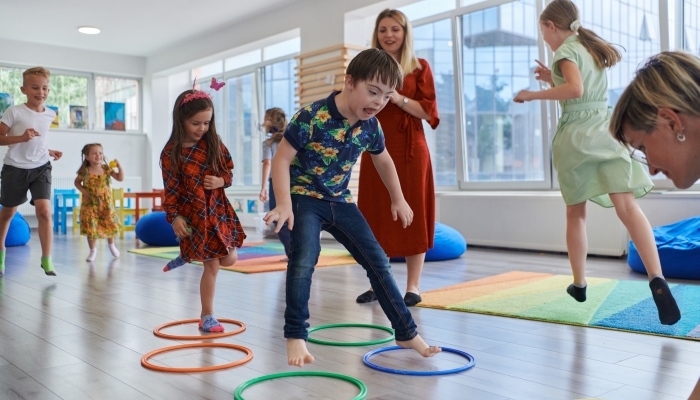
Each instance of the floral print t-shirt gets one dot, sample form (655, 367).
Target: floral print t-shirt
(327, 148)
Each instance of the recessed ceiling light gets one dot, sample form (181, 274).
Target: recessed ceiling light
(88, 30)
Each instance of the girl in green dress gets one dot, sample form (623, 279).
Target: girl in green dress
(590, 164)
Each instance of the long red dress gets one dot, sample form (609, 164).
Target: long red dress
(405, 141)
(215, 225)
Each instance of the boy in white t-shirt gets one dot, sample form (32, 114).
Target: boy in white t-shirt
(27, 167)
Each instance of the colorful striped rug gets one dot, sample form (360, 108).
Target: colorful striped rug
(257, 257)
(611, 303)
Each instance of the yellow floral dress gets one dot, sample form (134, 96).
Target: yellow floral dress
(98, 220)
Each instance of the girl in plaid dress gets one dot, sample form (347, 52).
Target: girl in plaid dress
(196, 168)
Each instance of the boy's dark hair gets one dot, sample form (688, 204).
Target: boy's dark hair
(377, 64)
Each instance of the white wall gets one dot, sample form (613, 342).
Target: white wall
(32, 54)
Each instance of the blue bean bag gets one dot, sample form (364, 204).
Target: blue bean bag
(679, 250)
(154, 230)
(19, 233)
(448, 244)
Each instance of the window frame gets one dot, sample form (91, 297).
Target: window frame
(259, 70)
(92, 97)
(549, 109)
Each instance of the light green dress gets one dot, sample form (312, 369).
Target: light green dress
(590, 163)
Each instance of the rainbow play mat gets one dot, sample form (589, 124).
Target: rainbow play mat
(611, 304)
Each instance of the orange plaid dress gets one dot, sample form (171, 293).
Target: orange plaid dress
(215, 225)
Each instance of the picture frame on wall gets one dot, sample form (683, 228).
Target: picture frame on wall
(6, 100)
(78, 117)
(54, 123)
(114, 116)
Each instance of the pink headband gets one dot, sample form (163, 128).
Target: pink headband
(199, 94)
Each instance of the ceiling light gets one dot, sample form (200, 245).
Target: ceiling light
(88, 30)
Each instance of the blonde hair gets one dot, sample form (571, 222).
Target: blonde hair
(409, 61)
(562, 13)
(279, 122)
(670, 79)
(41, 71)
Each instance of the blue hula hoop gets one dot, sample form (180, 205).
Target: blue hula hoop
(368, 363)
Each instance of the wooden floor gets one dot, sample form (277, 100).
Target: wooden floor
(81, 335)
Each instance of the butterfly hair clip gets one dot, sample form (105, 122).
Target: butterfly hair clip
(216, 85)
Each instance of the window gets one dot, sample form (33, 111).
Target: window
(504, 139)
(433, 42)
(118, 90)
(244, 133)
(427, 8)
(71, 91)
(243, 60)
(634, 25)
(281, 49)
(217, 97)
(691, 26)
(280, 86)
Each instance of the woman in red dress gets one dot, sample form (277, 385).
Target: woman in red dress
(401, 121)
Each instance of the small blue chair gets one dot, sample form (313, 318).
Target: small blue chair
(61, 208)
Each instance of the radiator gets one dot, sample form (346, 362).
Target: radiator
(129, 182)
(527, 220)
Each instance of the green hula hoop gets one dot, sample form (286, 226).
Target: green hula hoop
(363, 389)
(380, 341)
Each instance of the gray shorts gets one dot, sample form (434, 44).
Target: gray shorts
(14, 183)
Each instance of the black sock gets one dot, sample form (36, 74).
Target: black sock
(578, 293)
(366, 297)
(669, 313)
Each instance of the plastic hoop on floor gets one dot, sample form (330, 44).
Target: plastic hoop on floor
(380, 341)
(145, 363)
(158, 333)
(423, 373)
(363, 389)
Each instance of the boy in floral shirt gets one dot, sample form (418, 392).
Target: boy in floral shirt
(311, 171)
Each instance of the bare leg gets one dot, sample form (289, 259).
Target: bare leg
(43, 214)
(230, 259)
(577, 241)
(207, 286)
(414, 267)
(6, 214)
(643, 237)
(92, 243)
(639, 229)
(297, 354)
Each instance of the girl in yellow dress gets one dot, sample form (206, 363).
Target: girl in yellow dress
(98, 220)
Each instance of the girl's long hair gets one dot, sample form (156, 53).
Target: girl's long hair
(562, 13)
(178, 135)
(279, 123)
(85, 152)
(409, 62)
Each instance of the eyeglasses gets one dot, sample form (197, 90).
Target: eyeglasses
(638, 155)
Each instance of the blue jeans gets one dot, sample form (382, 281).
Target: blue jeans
(284, 235)
(345, 222)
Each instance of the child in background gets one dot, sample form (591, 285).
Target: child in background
(98, 219)
(196, 168)
(27, 167)
(274, 124)
(311, 171)
(591, 165)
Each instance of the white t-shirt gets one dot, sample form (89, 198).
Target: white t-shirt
(34, 153)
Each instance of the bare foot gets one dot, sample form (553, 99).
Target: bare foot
(297, 353)
(419, 345)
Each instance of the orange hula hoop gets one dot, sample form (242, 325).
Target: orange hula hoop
(145, 363)
(158, 333)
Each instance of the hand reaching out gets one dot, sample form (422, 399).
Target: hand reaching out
(55, 154)
(542, 73)
(280, 214)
